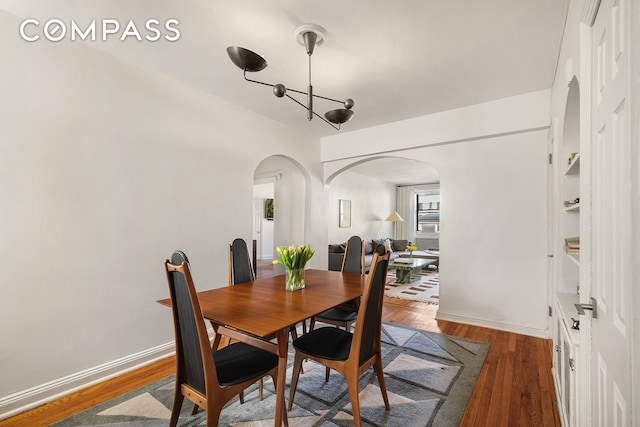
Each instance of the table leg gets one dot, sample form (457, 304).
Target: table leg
(402, 275)
(283, 344)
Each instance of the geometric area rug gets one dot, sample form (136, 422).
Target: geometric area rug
(427, 289)
(429, 379)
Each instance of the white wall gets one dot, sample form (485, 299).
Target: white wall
(107, 168)
(492, 163)
(372, 200)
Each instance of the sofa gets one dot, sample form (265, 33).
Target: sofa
(336, 251)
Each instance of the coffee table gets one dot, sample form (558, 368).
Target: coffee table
(409, 270)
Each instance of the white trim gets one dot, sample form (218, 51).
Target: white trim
(589, 12)
(493, 324)
(39, 395)
(583, 376)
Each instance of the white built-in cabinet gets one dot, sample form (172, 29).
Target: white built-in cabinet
(567, 290)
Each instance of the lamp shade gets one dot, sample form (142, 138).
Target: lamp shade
(394, 217)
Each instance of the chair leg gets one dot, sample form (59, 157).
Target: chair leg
(377, 367)
(326, 375)
(260, 387)
(297, 365)
(213, 414)
(312, 323)
(352, 384)
(178, 398)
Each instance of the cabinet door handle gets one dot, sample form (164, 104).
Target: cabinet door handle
(593, 307)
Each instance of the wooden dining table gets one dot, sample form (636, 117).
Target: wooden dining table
(263, 308)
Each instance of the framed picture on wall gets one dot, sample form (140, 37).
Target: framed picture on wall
(268, 209)
(344, 213)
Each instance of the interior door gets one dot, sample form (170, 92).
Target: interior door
(257, 225)
(610, 363)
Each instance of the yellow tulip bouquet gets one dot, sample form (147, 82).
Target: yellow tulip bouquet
(293, 260)
(411, 248)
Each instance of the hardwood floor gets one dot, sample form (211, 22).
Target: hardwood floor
(514, 388)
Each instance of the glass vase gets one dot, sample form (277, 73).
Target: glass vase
(294, 279)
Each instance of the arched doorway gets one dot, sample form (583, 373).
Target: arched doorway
(280, 205)
(378, 187)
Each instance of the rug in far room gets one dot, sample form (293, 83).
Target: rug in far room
(427, 289)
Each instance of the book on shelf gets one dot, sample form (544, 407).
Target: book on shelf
(572, 244)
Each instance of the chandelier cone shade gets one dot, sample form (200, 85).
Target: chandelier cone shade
(310, 36)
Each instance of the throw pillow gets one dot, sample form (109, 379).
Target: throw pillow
(400, 245)
(387, 245)
(375, 243)
(368, 247)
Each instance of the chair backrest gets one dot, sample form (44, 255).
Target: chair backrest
(193, 351)
(380, 249)
(369, 325)
(240, 268)
(353, 260)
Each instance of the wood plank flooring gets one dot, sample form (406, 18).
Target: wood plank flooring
(515, 386)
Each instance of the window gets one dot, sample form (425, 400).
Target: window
(428, 211)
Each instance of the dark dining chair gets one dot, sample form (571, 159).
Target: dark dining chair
(351, 354)
(240, 268)
(345, 314)
(241, 271)
(209, 378)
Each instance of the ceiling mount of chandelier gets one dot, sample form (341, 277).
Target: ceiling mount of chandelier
(310, 36)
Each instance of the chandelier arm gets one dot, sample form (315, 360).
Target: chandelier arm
(303, 93)
(327, 121)
(328, 99)
(314, 113)
(296, 101)
(256, 81)
(306, 93)
(295, 90)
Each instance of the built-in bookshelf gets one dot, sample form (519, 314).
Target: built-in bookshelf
(566, 322)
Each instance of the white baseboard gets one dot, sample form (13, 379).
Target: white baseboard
(492, 324)
(33, 397)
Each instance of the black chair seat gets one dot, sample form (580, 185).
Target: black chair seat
(327, 342)
(337, 315)
(239, 362)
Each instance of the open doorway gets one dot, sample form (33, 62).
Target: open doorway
(376, 188)
(263, 217)
(279, 209)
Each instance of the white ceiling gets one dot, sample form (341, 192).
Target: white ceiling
(397, 60)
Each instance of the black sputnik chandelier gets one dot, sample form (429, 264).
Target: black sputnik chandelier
(310, 36)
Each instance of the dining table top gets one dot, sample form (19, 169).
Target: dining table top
(263, 307)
